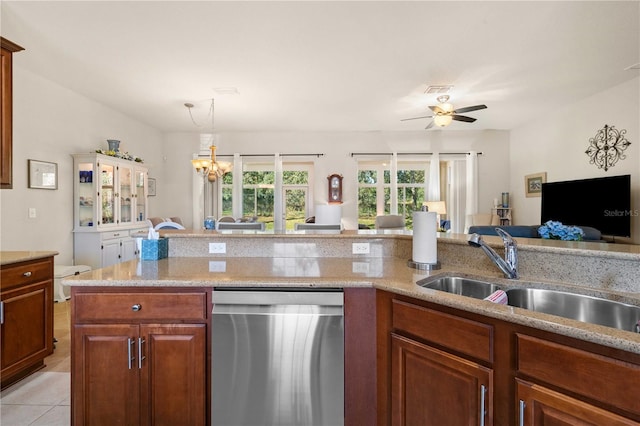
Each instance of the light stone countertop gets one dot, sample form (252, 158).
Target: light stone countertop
(10, 257)
(384, 273)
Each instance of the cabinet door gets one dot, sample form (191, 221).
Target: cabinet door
(540, 406)
(111, 252)
(105, 375)
(432, 387)
(27, 327)
(127, 249)
(86, 200)
(107, 193)
(174, 374)
(140, 195)
(125, 195)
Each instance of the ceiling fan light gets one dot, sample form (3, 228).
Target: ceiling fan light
(442, 120)
(447, 107)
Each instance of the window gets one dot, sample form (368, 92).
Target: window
(259, 193)
(378, 194)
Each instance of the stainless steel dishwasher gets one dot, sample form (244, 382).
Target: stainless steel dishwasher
(277, 357)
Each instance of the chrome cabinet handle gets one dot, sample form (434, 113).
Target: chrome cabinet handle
(483, 411)
(130, 356)
(1, 312)
(140, 356)
(137, 307)
(27, 274)
(521, 414)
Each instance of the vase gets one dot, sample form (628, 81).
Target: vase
(114, 145)
(505, 199)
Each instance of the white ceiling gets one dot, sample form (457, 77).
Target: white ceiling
(328, 66)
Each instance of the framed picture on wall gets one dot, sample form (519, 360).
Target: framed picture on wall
(533, 184)
(43, 174)
(151, 187)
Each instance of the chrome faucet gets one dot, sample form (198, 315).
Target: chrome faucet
(508, 265)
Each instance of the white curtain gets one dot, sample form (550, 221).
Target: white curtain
(433, 186)
(236, 190)
(278, 208)
(472, 187)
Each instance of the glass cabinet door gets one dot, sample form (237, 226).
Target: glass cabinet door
(125, 194)
(107, 193)
(141, 199)
(86, 195)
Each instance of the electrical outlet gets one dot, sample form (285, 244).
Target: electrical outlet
(217, 248)
(217, 266)
(32, 212)
(360, 267)
(360, 248)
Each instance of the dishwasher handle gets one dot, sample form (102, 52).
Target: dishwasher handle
(277, 297)
(278, 310)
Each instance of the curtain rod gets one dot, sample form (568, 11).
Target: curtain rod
(353, 154)
(271, 155)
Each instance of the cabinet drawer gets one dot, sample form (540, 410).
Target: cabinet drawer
(585, 373)
(27, 273)
(152, 306)
(459, 334)
(114, 234)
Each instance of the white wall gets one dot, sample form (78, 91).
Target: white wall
(556, 144)
(337, 147)
(50, 123)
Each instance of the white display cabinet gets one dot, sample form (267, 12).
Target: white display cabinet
(110, 204)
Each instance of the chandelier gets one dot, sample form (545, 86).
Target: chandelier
(211, 168)
(204, 166)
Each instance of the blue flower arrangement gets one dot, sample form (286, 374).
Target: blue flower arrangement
(553, 230)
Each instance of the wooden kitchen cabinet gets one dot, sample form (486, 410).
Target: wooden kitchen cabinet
(140, 357)
(435, 359)
(444, 385)
(539, 406)
(588, 386)
(430, 386)
(26, 314)
(8, 48)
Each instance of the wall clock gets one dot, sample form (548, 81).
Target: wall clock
(335, 189)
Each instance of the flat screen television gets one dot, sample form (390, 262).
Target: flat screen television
(601, 203)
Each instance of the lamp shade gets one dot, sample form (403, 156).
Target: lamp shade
(442, 120)
(440, 207)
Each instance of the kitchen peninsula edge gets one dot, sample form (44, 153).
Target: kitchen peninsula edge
(380, 290)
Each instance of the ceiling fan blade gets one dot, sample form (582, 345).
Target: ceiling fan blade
(463, 118)
(416, 118)
(437, 109)
(469, 109)
(430, 125)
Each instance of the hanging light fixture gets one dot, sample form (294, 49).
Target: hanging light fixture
(443, 119)
(209, 167)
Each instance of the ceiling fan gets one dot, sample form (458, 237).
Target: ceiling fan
(444, 113)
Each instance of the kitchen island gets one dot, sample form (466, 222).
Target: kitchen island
(380, 290)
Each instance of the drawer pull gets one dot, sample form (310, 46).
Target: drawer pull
(27, 274)
(137, 307)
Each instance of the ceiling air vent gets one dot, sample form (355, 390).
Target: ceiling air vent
(444, 88)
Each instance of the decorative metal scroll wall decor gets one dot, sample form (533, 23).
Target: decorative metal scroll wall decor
(607, 147)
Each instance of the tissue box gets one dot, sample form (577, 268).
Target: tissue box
(155, 249)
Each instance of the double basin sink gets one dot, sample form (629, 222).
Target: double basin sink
(589, 309)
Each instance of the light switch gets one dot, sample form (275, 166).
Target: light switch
(32, 212)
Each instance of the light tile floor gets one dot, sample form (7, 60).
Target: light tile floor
(43, 398)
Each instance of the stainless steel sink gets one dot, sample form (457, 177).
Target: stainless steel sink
(579, 307)
(462, 286)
